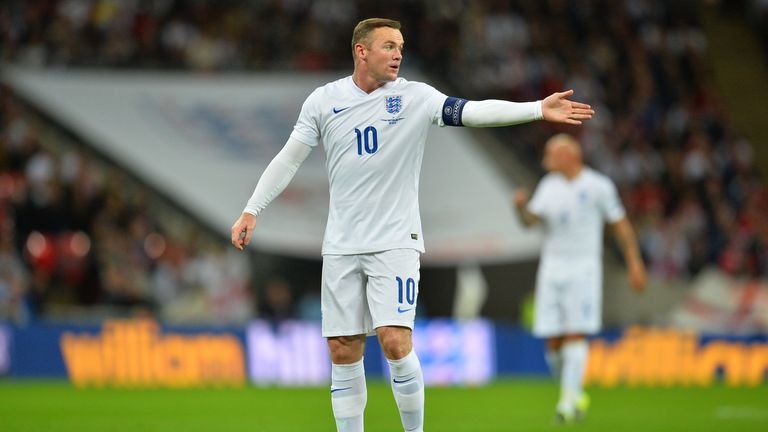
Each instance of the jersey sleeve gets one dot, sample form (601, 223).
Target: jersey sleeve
(278, 174)
(434, 101)
(611, 206)
(307, 127)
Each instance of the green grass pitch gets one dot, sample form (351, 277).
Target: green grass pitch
(507, 405)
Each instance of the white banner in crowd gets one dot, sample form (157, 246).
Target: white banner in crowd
(205, 140)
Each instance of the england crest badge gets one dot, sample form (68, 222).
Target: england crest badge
(394, 104)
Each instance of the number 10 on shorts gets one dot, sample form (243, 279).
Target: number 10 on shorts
(406, 290)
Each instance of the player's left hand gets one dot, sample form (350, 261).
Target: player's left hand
(637, 277)
(558, 109)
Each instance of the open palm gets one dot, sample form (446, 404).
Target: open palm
(558, 109)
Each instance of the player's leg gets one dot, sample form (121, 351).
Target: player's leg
(574, 351)
(554, 356)
(393, 282)
(582, 317)
(346, 321)
(349, 393)
(575, 356)
(406, 376)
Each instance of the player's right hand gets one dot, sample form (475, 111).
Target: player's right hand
(520, 198)
(242, 230)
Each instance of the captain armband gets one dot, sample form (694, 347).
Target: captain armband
(452, 109)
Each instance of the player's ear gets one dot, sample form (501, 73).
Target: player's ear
(361, 51)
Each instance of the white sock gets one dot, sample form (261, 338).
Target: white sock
(348, 396)
(575, 355)
(554, 361)
(408, 388)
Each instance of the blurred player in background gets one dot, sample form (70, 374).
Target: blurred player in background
(573, 202)
(373, 127)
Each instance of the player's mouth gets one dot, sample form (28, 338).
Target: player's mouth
(394, 68)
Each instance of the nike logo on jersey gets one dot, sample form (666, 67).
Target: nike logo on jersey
(394, 380)
(338, 110)
(333, 390)
(401, 310)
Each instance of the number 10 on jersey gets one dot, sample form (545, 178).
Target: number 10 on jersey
(367, 140)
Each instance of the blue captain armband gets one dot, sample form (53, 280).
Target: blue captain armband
(452, 109)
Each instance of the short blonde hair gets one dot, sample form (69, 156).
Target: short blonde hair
(363, 30)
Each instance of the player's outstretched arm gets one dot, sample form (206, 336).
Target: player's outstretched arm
(491, 112)
(558, 108)
(273, 181)
(625, 235)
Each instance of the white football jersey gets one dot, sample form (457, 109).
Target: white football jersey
(374, 144)
(574, 212)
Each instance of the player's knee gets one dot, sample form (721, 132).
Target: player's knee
(555, 343)
(396, 351)
(346, 349)
(573, 337)
(395, 342)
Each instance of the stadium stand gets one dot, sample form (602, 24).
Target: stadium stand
(88, 234)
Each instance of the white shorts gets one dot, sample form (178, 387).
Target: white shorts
(363, 292)
(568, 298)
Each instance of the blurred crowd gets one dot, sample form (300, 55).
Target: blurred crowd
(686, 177)
(77, 231)
(661, 133)
(758, 16)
